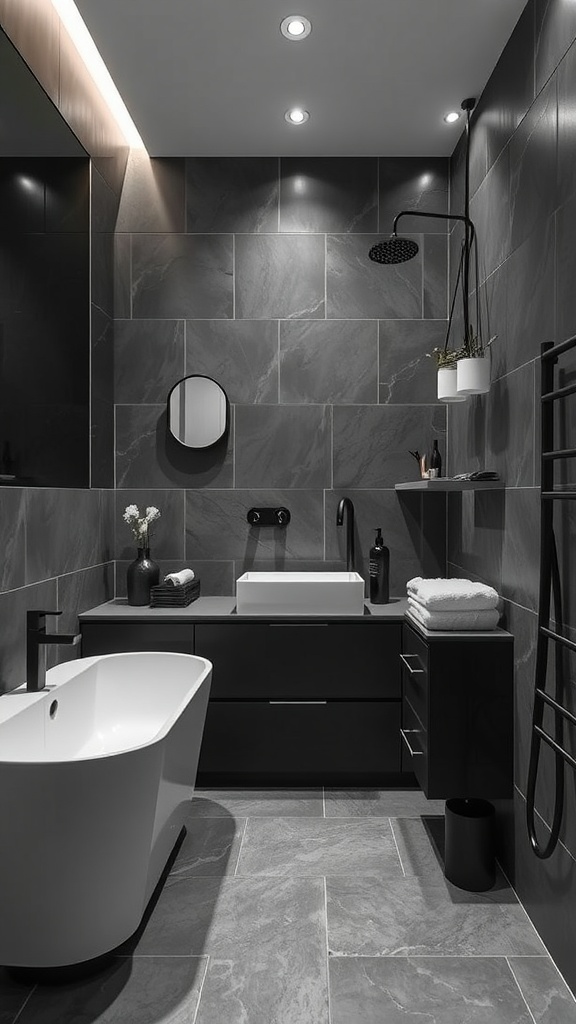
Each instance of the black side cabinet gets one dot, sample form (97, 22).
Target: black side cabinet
(457, 712)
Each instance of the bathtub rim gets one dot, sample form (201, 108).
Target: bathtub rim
(59, 675)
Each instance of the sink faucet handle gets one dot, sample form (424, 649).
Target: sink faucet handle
(35, 618)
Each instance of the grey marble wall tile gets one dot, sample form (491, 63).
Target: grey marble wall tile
(148, 359)
(466, 437)
(549, 998)
(565, 270)
(478, 153)
(566, 85)
(490, 212)
(122, 276)
(318, 846)
(101, 355)
(520, 557)
(368, 990)
(279, 276)
(533, 165)
(232, 194)
(77, 593)
(242, 355)
(357, 288)
(282, 446)
(555, 32)
(216, 577)
(177, 275)
(147, 455)
(104, 201)
(166, 534)
(285, 564)
(407, 375)
(416, 540)
(435, 277)
(153, 194)
(63, 531)
(216, 526)
(13, 608)
(328, 361)
(416, 917)
(457, 177)
(328, 194)
(138, 991)
(13, 537)
(494, 306)
(102, 444)
(476, 522)
(412, 183)
(102, 270)
(509, 433)
(372, 444)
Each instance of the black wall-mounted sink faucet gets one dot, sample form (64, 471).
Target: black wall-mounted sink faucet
(36, 641)
(345, 505)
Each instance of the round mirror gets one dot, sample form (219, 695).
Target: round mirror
(197, 411)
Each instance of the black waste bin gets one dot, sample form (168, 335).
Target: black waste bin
(469, 844)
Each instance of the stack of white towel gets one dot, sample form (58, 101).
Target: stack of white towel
(452, 604)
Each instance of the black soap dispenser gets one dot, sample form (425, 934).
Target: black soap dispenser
(379, 571)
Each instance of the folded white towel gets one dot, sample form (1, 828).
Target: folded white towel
(178, 579)
(452, 595)
(486, 619)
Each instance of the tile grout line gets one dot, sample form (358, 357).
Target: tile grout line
(240, 847)
(519, 989)
(396, 845)
(325, 887)
(201, 990)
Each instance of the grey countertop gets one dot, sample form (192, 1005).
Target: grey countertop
(225, 608)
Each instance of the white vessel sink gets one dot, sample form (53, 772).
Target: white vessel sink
(300, 593)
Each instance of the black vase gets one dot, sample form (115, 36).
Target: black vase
(142, 574)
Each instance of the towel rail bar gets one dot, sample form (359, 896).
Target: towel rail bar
(549, 351)
(562, 453)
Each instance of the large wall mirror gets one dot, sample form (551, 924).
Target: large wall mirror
(198, 411)
(44, 286)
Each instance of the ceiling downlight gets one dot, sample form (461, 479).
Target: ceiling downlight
(295, 27)
(296, 116)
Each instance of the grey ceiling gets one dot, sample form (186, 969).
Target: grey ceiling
(214, 77)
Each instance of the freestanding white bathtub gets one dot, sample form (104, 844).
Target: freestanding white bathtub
(96, 773)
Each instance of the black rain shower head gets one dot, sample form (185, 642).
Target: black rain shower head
(393, 250)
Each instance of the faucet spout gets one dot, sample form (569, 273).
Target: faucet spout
(37, 639)
(345, 506)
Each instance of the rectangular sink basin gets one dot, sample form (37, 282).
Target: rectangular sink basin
(300, 593)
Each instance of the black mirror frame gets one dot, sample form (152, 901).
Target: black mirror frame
(202, 447)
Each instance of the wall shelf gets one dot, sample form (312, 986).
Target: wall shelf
(445, 484)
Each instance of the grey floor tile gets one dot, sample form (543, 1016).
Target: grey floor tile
(437, 990)
(210, 847)
(145, 990)
(415, 917)
(421, 845)
(13, 995)
(380, 803)
(236, 918)
(318, 846)
(548, 997)
(244, 803)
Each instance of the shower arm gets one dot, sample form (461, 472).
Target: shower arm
(437, 216)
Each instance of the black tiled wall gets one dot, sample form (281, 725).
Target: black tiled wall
(523, 179)
(255, 271)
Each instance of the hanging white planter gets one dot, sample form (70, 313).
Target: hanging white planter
(447, 385)
(473, 376)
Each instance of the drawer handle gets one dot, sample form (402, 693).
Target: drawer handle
(297, 701)
(412, 671)
(414, 753)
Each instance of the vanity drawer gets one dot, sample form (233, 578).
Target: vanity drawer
(414, 648)
(118, 637)
(319, 660)
(415, 685)
(301, 740)
(415, 740)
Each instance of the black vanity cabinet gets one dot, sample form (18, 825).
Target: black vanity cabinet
(457, 712)
(301, 701)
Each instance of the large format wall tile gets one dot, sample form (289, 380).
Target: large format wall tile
(520, 556)
(328, 194)
(148, 359)
(64, 530)
(232, 194)
(13, 537)
(476, 533)
(435, 276)
(357, 288)
(279, 276)
(566, 86)
(413, 184)
(153, 194)
(555, 33)
(13, 608)
(77, 592)
(510, 427)
(490, 212)
(533, 166)
(407, 375)
(182, 275)
(282, 446)
(216, 526)
(328, 361)
(242, 355)
(372, 444)
(147, 455)
(166, 534)
(565, 270)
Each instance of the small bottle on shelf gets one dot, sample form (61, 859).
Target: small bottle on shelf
(435, 462)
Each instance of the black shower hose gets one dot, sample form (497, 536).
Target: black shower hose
(545, 851)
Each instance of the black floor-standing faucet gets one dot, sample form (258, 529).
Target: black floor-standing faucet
(345, 504)
(36, 641)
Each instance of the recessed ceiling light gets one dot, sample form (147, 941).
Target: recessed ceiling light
(295, 27)
(296, 115)
(451, 117)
